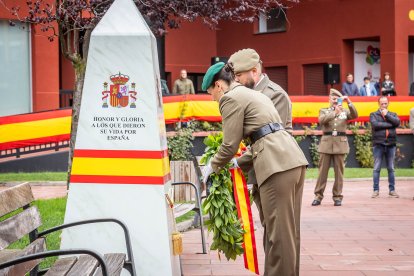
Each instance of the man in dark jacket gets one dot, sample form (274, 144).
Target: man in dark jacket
(349, 88)
(384, 141)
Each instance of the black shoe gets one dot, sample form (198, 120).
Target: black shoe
(316, 202)
(338, 203)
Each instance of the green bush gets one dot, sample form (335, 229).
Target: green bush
(179, 146)
(363, 146)
(314, 145)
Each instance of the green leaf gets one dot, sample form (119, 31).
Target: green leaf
(218, 222)
(206, 206)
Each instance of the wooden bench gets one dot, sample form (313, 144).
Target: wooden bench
(26, 222)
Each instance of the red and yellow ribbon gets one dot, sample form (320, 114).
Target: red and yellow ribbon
(242, 199)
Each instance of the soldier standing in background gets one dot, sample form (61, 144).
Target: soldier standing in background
(333, 145)
(183, 85)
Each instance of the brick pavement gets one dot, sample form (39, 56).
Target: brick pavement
(363, 237)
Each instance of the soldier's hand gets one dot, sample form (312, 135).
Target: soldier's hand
(234, 163)
(384, 111)
(345, 98)
(338, 109)
(207, 170)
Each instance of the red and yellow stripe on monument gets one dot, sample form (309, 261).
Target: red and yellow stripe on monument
(242, 199)
(190, 107)
(120, 167)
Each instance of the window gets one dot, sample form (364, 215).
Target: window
(313, 80)
(278, 75)
(274, 21)
(197, 79)
(15, 90)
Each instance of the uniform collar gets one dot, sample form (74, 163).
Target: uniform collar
(262, 83)
(233, 85)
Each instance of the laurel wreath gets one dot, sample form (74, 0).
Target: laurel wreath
(223, 221)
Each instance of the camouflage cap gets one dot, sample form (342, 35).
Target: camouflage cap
(334, 92)
(244, 60)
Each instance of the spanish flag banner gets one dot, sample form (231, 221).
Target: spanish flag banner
(54, 126)
(242, 199)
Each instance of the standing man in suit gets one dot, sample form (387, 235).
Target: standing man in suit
(247, 68)
(333, 145)
(278, 161)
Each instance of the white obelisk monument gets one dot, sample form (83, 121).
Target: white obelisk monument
(120, 165)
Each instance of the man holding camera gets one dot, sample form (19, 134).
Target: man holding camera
(333, 145)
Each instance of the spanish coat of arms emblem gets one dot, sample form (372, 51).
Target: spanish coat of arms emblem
(119, 93)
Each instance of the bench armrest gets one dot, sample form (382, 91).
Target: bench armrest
(52, 253)
(129, 264)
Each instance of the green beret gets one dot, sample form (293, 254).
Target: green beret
(211, 72)
(244, 60)
(334, 92)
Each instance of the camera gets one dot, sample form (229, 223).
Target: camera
(339, 101)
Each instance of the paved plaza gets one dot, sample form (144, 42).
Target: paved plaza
(372, 237)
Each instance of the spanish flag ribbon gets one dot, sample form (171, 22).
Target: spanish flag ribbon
(242, 199)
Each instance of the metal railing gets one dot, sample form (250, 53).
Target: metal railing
(33, 149)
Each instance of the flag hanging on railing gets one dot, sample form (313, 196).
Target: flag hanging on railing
(242, 199)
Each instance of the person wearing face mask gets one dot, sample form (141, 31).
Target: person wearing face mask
(276, 157)
(333, 145)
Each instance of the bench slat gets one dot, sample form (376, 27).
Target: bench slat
(182, 208)
(61, 266)
(14, 198)
(85, 266)
(115, 262)
(38, 245)
(14, 228)
(8, 254)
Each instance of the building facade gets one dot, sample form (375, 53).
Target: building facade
(362, 37)
(315, 33)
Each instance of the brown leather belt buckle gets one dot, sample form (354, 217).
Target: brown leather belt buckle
(334, 133)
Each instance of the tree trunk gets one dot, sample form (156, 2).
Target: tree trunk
(79, 66)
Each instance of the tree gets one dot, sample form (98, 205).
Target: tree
(72, 22)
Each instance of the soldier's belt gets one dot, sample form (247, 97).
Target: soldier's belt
(335, 133)
(263, 131)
